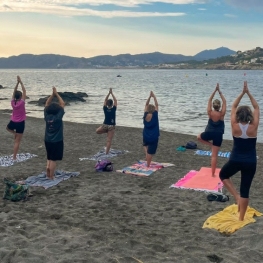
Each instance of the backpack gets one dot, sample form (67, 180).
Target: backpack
(191, 145)
(104, 166)
(15, 192)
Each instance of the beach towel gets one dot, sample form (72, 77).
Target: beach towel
(227, 221)
(8, 159)
(42, 179)
(140, 168)
(200, 181)
(102, 155)
(209, 153)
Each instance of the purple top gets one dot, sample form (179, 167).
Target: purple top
(19, 110)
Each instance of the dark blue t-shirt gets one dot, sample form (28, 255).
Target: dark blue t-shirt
(54, 126)
(151, 131)
(110, 115)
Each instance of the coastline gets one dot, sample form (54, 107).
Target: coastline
(113, 217)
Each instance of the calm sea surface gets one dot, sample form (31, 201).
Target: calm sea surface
(182, 94)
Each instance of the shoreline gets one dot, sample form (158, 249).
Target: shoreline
(114, 217)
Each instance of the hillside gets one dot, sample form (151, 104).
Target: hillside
(106, 61)
(249, 59)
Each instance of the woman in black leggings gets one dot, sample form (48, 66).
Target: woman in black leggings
(243, 157)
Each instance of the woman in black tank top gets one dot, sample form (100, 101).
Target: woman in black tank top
(213, 135)
(243, 157)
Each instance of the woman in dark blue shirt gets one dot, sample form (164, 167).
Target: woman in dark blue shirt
(108, 126)
(151, 128)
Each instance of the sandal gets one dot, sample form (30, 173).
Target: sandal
(218, 197)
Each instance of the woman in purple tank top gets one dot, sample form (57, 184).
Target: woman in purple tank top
(17, 123)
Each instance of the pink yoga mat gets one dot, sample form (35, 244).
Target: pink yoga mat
(200, 180)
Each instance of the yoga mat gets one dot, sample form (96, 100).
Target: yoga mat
(200, 180)
(140, 168)
(227, 221)
(44, 181)
(209, 153)
(102, 155)
(21, 157)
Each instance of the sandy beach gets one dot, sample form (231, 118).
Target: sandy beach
(114, 217)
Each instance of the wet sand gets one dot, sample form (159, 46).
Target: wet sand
(113, 217)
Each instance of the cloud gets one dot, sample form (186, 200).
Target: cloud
(230, 15)
(73, 11)
(76, 7)
(246, 4)
(123, 3)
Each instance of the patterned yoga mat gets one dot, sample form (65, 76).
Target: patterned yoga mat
(200, 181)
(140, 168)
(209, 153)
(8, 159)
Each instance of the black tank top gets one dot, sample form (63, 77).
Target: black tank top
(215, 126)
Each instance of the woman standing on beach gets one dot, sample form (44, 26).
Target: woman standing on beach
(17, 123)
(53, 114)
(215, 128)
(243, 157)
(108, 126)
(151, 131)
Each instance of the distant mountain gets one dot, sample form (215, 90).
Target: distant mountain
(214, 53)
(106, 61)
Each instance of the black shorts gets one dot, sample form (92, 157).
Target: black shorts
(151, 146)
(18, 127)
(216, 137)
(54, 150)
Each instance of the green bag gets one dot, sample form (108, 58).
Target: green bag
(15, 192)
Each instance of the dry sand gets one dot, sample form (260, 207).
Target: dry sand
(113, 217)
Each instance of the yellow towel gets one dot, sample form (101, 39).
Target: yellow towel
(227, 221)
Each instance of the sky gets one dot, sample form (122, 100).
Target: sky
(88, 28)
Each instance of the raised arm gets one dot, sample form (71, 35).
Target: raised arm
(114, 98)
(106, 99)
(49, 100)
(15, 89)
(60, 100)
(235, 105)
(209, 105)
(23, 88)
(254, 103)
(147, 102)
(155, 102)
(223, 110)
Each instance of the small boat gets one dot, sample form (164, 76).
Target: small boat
(118, 76)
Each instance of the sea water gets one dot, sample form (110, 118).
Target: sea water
(182, 94)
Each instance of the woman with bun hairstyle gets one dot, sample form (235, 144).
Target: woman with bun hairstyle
(213, 134)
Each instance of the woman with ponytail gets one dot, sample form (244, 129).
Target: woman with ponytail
(17, 122)
(243, 156)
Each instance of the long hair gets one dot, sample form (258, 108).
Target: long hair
(17, 96)
(216, 104)
(244, 114)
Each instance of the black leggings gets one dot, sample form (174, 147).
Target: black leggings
(248, 171)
